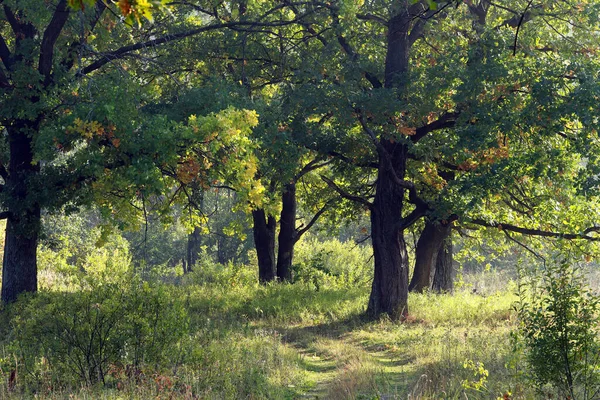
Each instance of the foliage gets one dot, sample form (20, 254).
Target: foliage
(559, 329)
(332, 262)
(76, 337)
(132, 10)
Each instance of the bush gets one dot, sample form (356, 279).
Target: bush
(331, 261)
(76, 337)
(558, 326)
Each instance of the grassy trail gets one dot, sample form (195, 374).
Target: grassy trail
(356, 359)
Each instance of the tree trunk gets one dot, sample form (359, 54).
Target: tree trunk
(19, 268)
(430, 242)
(443, 280)
(193, 249)
(389, 292)
(287, 233)
(264, 242)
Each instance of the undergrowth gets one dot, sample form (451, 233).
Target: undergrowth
(216, 333)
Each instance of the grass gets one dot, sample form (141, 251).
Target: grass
(292, 341)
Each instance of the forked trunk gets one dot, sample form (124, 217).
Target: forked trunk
(430, 242)
(389, 292)
(264, 242)
(287, 233)
(443, 279)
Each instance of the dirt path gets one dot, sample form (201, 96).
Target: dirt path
(341, 367)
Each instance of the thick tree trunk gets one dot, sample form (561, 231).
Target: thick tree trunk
(430, 242)
(287, 233)
(443, 280)
(389, 292)
(19, 268)
(193, 249)
(264, 242)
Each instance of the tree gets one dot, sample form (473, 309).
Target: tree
(50, 78)
(439, 101)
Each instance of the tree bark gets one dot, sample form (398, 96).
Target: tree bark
(389, 292)
(287, 233)
(443, 279)
(429, 246)
(193, 249)
(19, 267)
(264, 242)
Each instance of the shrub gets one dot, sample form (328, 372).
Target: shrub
(331, 261)
(558, 326)
(76, 337)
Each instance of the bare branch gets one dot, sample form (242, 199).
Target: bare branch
(538, 232)
(523, 245)
(125, 50)
(302, 231)
(311, 166)
(519, 26)
(345, 194)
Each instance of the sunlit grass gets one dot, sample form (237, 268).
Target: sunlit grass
(290, 340)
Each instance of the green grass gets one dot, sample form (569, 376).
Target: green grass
(292, 341)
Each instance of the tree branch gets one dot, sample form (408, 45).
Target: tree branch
(123, 51)
(385, 158)
(348, 160)
(311, 166)
(413, 217)
(12, 20)
(5, 54)
(446, 120)
(372, 17)
(3, 172)
(4, 82)
(345, 194)
(519, 26)
(51, 34)
(302, 231)
(538, 232)
(523, 245)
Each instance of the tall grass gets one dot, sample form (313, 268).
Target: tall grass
(277, 341)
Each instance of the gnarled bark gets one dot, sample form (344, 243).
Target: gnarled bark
(389, 291)
(429, 244)
(443, 279)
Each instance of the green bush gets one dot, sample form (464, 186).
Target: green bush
(559, 328)
(332, 262)
(77, 337)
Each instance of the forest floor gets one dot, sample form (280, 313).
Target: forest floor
(296, 342)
